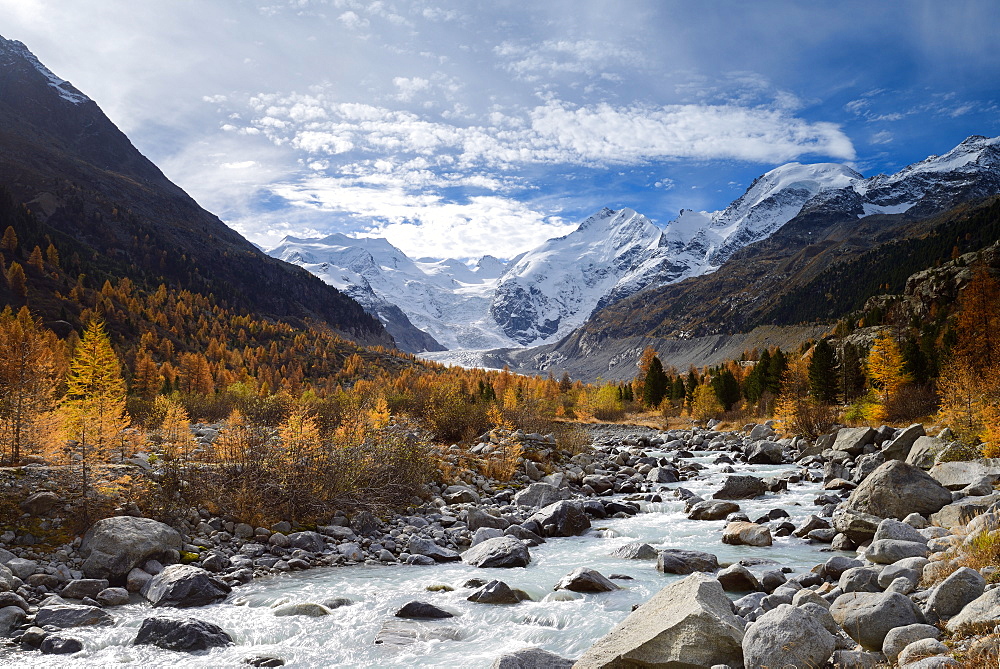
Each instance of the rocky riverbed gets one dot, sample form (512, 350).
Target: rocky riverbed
(895, 530)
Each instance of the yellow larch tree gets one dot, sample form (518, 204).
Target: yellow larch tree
(885, 369)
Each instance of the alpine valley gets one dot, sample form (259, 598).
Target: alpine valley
(590, 301)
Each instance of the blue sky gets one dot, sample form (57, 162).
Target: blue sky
(464, 128)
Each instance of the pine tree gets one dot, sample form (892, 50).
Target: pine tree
(654, 386)
(823, 372)
(755, 384)
(94, 405)
(727, 388)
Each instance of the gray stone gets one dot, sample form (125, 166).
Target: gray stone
(484, 533)
(636, 551)
(901, 637)
(888, 551)
(746, 534)
(891, 528)
(737, 578)
(584, 579)
(531, 658)
(307, 541)
(924, 450)
(137, 580)
(961, 474)
(403, 633)
(712, 510)
(857, 526)
(897, 489)
(478, 518)
(500, 552)
(562, 519)
(306, 609)
(857, 659)
(868, 617)
(422, 610)
(22, 568)
(495, 592)
(662, 475)
(952, 594)
(765, 453)
(427, 548)
(853, 439)
(680, 561)
(687, 623)
(787, 636)
(72, 615)
(964, 510)
(859, 579)
(184, 586)
(56, 644)
(183, 635)
(112, 597)
(83, 587)
(10, 618)
(916, 654)
(40, 503)
(741, 487)
(351, 551)
(838, 564)
(114, 546)
(460, 494)
(899, 448)
(895, 571)
(538, 495)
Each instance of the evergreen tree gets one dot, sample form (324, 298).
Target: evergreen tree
(775, 370)
(727, 388)
(654, 387)
(755, 384)
(822, 372)
(677, 389)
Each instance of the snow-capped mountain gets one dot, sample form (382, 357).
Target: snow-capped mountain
(544, 293)
(427, 305)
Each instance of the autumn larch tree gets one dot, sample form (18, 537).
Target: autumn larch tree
(885, 370)
(94, 405)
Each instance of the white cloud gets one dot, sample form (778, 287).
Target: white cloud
(353, 21)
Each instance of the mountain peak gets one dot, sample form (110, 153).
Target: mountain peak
(12, 49)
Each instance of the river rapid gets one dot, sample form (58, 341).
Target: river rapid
(566, 624)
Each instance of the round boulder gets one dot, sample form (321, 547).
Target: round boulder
(184, 635)
(114, 546)
(787, 636)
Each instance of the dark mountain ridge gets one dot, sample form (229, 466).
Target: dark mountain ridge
(82, 177)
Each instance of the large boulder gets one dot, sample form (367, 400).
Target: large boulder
(741, 533)
(421, 546)
(498, 552)
(741, 487)
(765, 453)
(961, 512)
(182, 586)
(531, 658)
(787, 636)
(478, 518)
(961, 473)
(541, 494)
(737, 578)
(853, 440)
(83, 587)
(184, 635)
(39, 503)
(584, 579)
(689, 623)
(978, 616)
(897, 489)
(901, 637)
(890, 528)
(867, 617)
(417, 609)
(495, 592)
(72, 615)
(114, 546)
(859, 527)
(10, 618)
(680, 561)
(952, 594)
(899, 448)
(561, 519)
(888, 551)
(307, 541)
(924, 450)
(636, 551)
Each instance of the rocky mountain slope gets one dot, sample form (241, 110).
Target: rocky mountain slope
(89, 186)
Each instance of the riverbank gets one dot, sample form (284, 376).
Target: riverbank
(627, 471)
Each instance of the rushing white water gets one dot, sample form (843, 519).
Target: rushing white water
(479, 632)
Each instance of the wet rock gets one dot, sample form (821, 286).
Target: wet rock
(183, 635)
(11, 617)
(72, 615)
(868, 617)
(765, 453)
(583, 579)
(112, 597)
(746, 534)
(712, 510)
(531, 658)
(495, 592)
(561, 519)
(741, 487)
(263, 661)
(427, 548)
(83, 587)
(55, 644)
(307, 609)
(687, 623)
(307, 541)
(114, 546)
(680, 561)
(422, 610)
(184, 586)
(737, 578)
(636, 551)
(502, 552)
(787, 636)
(401, 633)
